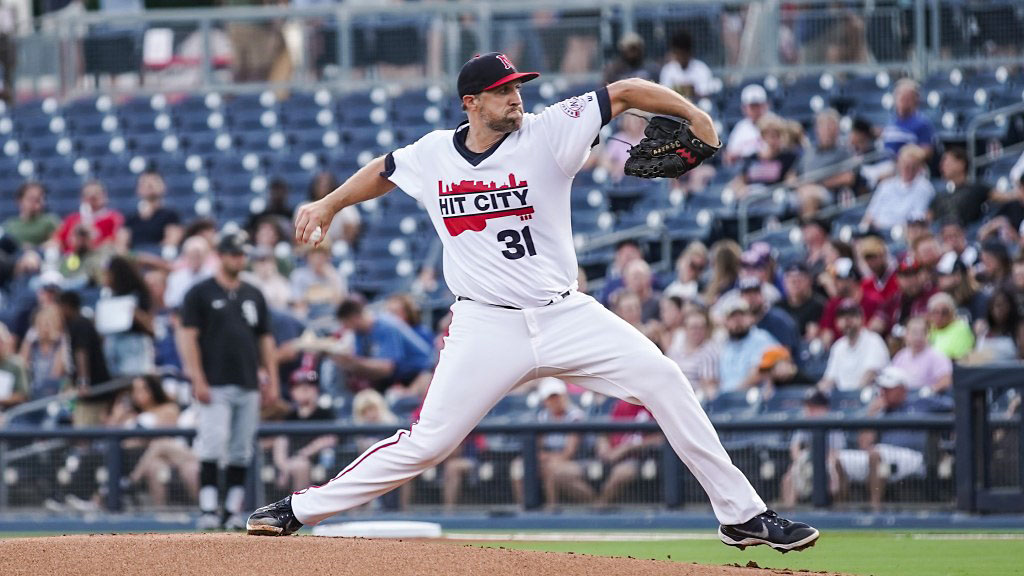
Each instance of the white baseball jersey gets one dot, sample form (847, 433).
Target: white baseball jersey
(503, 215)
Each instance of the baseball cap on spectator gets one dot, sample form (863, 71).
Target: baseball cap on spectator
(816, 397)
(843, 268)
(891, 377)
(749, 284)
(909, 265)
(753, 259)
(799, 267)
(848, 307)
(551, 387)
(734, 305)
(300, 377)
(772, 355)
(488, 71)
(233, 242)
(917, 219)
(50, 280)
(753, 94)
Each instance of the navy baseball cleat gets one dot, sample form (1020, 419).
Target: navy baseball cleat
(769, 529)
(275, 519)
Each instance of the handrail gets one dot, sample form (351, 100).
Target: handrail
(44, 403)
(972, 132)
(921, 422)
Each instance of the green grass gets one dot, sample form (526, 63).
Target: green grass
(867, 553)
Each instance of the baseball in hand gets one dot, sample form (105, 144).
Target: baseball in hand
(317, 235)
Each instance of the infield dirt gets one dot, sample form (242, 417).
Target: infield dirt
(239, 555)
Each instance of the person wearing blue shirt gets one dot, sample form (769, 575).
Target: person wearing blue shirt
(771, 319)
(892, 455)
(386, 351)
(907, 126)
(741, 353)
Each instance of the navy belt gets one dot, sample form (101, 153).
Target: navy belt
(558, 298)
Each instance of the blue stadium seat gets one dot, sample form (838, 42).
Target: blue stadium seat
(786, 400)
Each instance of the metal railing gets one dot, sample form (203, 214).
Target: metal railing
(996, 116)
(527, 434)
(351, 47)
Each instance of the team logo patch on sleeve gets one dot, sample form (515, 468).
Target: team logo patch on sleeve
(468, 205)
(573, 107)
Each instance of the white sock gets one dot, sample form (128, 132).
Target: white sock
(208, 499)
(235, 499)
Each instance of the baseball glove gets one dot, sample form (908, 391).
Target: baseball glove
(669, 150)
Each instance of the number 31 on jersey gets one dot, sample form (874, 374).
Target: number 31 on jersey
(518, 243)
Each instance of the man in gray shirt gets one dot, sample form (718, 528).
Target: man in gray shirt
(828, 151)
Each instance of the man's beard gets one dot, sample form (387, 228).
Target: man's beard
(504, 124)
(739, 334)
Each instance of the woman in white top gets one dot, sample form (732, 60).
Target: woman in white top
(691, 347)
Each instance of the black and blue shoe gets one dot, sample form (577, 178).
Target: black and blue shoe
(769, 529)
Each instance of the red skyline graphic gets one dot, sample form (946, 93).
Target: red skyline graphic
(509, 205)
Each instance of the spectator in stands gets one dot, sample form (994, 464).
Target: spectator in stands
(802, 303)
(725, 269)
(630, 61)
(959, 198)
(82, 264)
(45, 354)
(614, 152)
(925, 246)
(684, 73)
(745, 138)
(627, 305)
(696, 353)
(404, 308)
(294, 456)
(774, 161)
(776, 369)
(561, 473)
(165, 321)
(149, 222)
(386, 351)
(741, 353)
(639, 281)
(875, 162)
(265, 275)
(622, 453)
(814, 236)
(903, 196)
(756, 263)
(915, 290)
(277, 207)
(1011, 208)
(996, 265)
(998, 338)
(147, 405)
(907, 125)
(347, 224)
(32, 226)
(13, 380)
(892, 455)
(102, 223)
(827, 153)
(690, 268)
(856, 358)
(838, 257)
(626, 251)
(770, 318)
(192, 267)
(317, 286)
(88, 364)
(426, 286)
(797, 481)
(949, 334)
(955, 279)
(270, 237)
(128, 345)
(925, 367)
(954, 239)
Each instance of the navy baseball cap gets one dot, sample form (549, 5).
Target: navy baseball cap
(487, 71)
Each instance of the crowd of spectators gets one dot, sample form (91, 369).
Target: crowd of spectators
(931, 276)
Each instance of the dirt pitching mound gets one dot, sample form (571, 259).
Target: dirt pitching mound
(239, 555)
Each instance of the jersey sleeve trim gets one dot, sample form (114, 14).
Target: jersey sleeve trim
(389, 166)
(604, 102)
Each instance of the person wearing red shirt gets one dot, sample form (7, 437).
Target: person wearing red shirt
(915, 289)
(622, 452)
(881, 279)
(848, 285)
(102, 221)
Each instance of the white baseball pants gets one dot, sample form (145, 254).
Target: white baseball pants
(489, 351)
